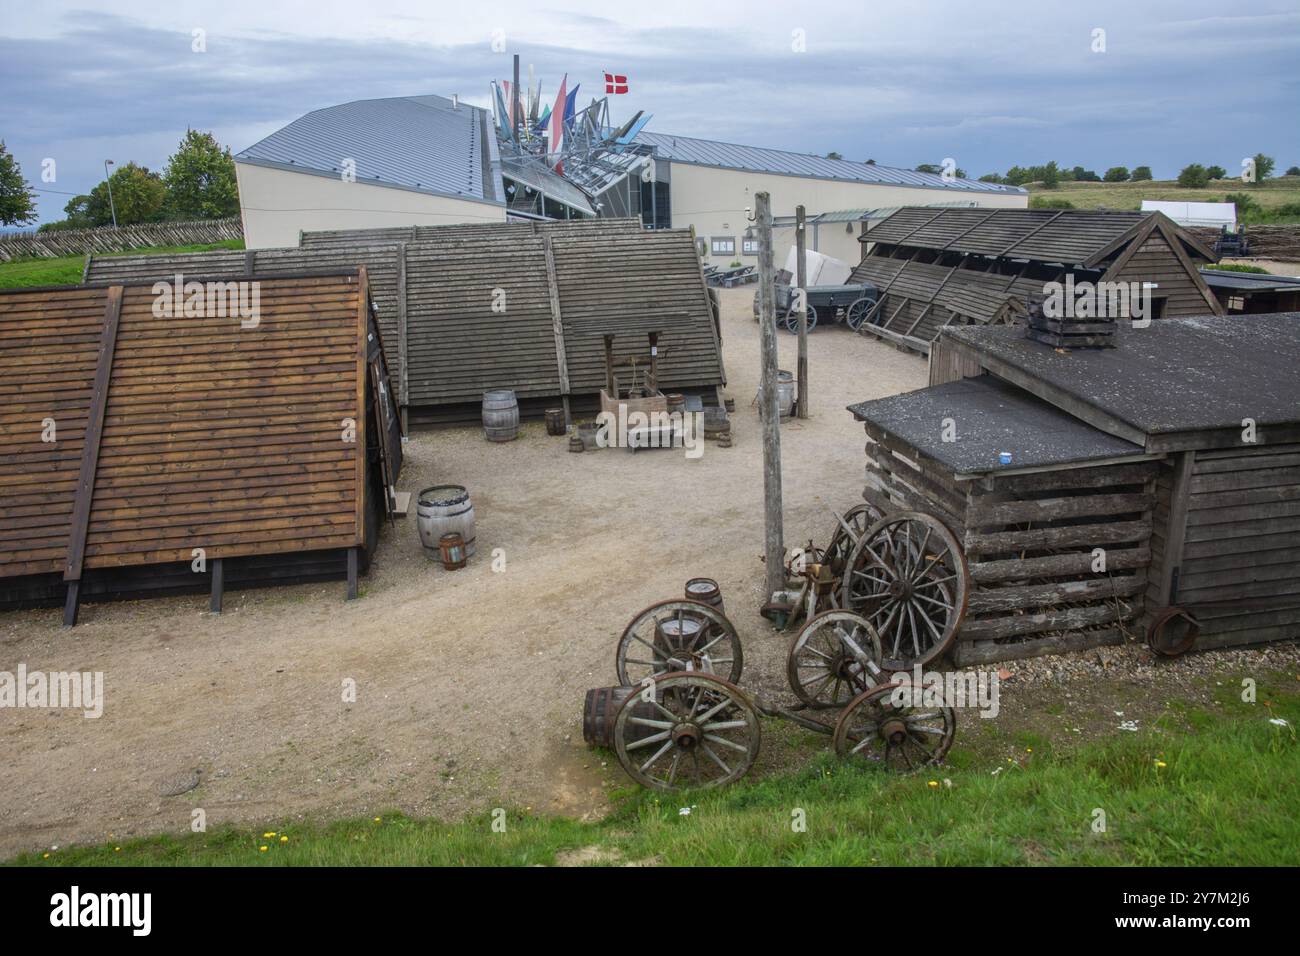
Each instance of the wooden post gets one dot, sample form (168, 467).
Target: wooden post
(801, 259)
(773, 543)
(218, 586)
(352, 574)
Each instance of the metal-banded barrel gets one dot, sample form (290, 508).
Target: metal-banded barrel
(600, 710)
(443, 509)
(500, 415)
(555, 423)
(706, 591)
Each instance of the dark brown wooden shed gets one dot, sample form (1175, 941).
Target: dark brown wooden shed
(1177, 454)
(954, 266)
(146, 451)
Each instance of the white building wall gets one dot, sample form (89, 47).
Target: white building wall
(277, 204)
(714, 200)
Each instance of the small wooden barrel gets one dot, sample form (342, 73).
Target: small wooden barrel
(500, 415)
(555, 424)
(706, 591)
(575, 444)
(600, 710)
(451, 547)
(715, 421)
(441, 510)
(676, 402)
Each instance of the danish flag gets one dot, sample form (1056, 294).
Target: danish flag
(615, 83)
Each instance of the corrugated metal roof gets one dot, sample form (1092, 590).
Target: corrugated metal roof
(707, 152)
(410, 142)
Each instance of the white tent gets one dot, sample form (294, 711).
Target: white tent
(1195, 213)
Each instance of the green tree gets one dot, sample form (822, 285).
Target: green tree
(1216, 172)
(929, 168)
(1082, 175)
(833, 155)
(1292, 171)
(17, 204)
(1050, 176)
(1141, 174)
(1243, 201)
(991, 178)
(138, 196)
(1117, 174)
(1263, 167)
(200, 179)
(1194, 176)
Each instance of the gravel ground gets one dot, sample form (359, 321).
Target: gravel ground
(470, 683)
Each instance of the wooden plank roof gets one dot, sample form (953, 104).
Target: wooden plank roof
(990, 417)
(510, 229)
(214, 435)
(1179, 383)
(381, 262)
(1074, 237)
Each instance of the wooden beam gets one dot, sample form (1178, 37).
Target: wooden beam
(801, 268)
(557, 321)
(352, 573)
(403, 360)
(1175, 530)
(363, 327)
(218, 585)
(773, 537)
(85, 493)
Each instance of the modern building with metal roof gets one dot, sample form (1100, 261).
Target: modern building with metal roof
(429, 160)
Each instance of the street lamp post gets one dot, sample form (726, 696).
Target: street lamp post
(109, 180)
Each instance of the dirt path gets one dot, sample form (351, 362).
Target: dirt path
(469, 685)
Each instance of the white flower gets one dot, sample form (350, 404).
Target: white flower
(1279, 721)
(684, 812)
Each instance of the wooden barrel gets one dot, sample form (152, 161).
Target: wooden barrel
(706, 591)
(500, 415)
(451, 546)
(715, 421)
(785, 392)
(676, 402)
(600, 710)
(555, 423)
(444, 509)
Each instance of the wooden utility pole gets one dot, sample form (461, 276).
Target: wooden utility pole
(801, 266)
(774, 539)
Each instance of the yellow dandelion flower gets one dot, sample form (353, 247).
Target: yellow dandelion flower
(263, 848)
(1029, 750)
(1161, 763)
(117, 849)
(45, 856)
(934, 783)
(268, 835)
(284, 839)
(377, 819)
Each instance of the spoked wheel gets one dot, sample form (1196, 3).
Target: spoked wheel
(792, 320)
(833, 658)
(859, 518)
(678, 636)
(897, 736)
(697, 731)
(908, 577)
(857, 312)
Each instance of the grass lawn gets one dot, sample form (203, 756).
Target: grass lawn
(1270, 193)
(67, 269)
(1201, 787)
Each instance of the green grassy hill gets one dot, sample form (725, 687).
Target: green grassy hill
(67, 269)
(1271, 195)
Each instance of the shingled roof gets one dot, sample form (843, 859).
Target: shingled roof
(1074, 237)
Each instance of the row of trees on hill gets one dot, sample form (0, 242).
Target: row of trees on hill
(198, 182)
(1050, 175)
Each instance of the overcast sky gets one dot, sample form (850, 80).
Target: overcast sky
(989, 84)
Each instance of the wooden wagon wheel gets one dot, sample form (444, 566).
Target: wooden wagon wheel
(833, 658)
(858, 311)
(1173, 632)
(678, 636)
(899, 736)
(909, 578)
(702, 731)
(792, 320)
(859, 518)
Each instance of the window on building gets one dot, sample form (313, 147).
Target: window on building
(723, 246)
(749, 247)
(1237, 303)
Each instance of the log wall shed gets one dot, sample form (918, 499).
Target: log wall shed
(953, 266)
(1177, 453)
(524, 306)
(133, 438)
